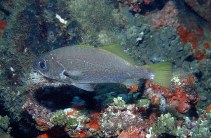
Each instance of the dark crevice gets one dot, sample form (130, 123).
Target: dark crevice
(55, 98)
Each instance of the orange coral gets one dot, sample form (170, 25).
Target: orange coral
(207, 45)
(42, 124)
(208, 109)
(45, 135)
(94, 122)
(133, 88)
(70, 113)
(81, 134)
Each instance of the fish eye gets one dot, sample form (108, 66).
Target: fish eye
(42, 64)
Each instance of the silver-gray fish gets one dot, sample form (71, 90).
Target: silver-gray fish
(83, 66)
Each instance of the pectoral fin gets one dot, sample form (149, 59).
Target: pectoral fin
(84, 86)
(74, 74)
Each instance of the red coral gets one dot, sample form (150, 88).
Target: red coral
(94, 123)
(183, 33)
(190, 36)
(3, 24)
(193, 37)
(199, 54)
(179, 97)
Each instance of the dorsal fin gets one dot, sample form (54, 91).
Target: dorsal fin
(85, 46)
(118, 51)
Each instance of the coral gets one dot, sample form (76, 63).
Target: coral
(140, 130)
(202, 127)
(4, 123)
(179, 97)
(208, 109)
(152, 48)
(132, 133)
(193, 38)
(44, 117)
(119, 102)
(197, 129)
(165, 124)
(135, 5)
(39, 113)
(94, 122)
(166, 17)
(4, 127)
(3, 24)
(114, 120)
(143, 103)
(61, 119)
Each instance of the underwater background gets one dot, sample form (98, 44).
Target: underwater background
(149, 31)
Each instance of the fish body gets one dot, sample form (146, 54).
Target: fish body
(82, 66)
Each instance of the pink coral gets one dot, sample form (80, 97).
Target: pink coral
(132, 133)
(141, 130)
(166, 17)
(39, 113)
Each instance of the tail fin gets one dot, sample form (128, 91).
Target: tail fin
(162, 72)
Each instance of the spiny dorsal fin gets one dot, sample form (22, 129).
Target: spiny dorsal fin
(113, 49)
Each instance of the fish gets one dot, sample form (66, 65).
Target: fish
(84, 66)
